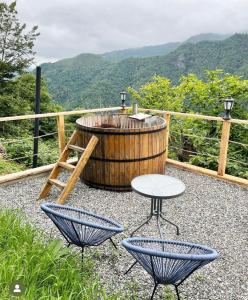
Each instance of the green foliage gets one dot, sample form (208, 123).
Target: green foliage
(169, 294)
(197, 141)
(8, 167)
(206, 95)
(158, 93)
(19, 100)
(47, 269)
(16, 47)
(22, 151)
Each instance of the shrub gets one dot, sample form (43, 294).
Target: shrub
(22, 152)
(7, 167)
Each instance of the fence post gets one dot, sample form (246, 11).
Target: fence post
(224, 147)
(167, 134)
(61, 132)
(37, 111)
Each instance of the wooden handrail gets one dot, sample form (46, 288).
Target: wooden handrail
(84, 111)
(55, 114)
(196, 116)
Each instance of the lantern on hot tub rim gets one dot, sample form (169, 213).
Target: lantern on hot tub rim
(228, 105)
(123, 99)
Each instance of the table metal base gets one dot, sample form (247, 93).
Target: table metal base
(156, 211)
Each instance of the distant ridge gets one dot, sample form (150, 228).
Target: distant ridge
(207, 37)
(163, 49)
(141, 52)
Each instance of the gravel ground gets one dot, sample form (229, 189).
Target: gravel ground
(210, 212)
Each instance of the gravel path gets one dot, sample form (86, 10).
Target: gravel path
(210, 212)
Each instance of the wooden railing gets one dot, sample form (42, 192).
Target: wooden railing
(224, 142)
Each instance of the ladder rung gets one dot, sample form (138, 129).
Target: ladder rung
(67, 166)
(76, 148)
(57, 182)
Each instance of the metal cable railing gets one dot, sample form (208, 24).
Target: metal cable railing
(194, 152)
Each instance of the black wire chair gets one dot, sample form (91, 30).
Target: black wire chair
(80, 227)
(168, 262)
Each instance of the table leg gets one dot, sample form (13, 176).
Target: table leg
(159, 228)
(166, 220)
(156, 210)
(159, 212)
(144, 223)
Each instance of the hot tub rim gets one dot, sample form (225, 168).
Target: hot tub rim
(120, 131)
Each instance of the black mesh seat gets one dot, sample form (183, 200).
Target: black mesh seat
(168, 262)
(80, 227)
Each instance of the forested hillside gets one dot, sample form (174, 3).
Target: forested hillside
(91, 81)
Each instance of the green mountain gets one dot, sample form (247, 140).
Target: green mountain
(141, 52)
(90, 80)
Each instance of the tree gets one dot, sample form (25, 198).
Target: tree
(159, 94)
(197, 141)
(19, 99)
(16, 45)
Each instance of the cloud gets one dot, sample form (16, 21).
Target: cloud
(71, 27)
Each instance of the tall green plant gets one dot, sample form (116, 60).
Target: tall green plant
(48, 269)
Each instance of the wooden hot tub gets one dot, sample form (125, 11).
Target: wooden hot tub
(126, 148)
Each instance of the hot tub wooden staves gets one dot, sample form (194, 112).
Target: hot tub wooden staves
(126, 148)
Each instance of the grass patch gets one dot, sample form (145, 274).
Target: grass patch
(47, 269)
(169, 294)
(7, 167)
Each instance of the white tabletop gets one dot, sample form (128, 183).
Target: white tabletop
(158, 186)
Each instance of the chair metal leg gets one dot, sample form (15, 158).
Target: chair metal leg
(154, 290)
(176, 288)
(166, 220)
(129, 269)
(113, 243)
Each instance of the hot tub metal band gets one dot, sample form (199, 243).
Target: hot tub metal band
(128, 160)
(96, 184)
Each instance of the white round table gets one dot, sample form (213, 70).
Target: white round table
(157, 187)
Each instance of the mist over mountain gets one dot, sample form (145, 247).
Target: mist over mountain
(161, 49)
(207, 37)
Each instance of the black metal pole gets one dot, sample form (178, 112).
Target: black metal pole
(37, 111)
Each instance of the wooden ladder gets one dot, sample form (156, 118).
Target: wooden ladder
(63, 164)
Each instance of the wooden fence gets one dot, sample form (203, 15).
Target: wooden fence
(224, 142)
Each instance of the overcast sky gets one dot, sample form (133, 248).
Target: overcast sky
(71, 27)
